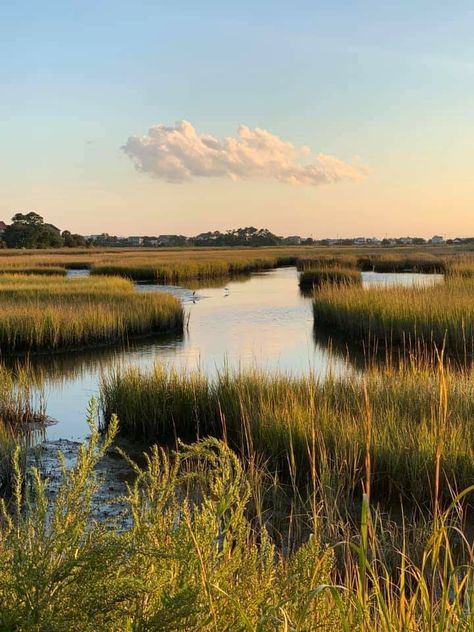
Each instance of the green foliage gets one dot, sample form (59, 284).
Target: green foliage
(181, 564)
(30, 231)
(188, 558)
(308, 429)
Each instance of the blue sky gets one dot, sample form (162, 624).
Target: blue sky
(391, 83)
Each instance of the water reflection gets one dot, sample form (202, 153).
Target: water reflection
(406, 279)
(259, 321)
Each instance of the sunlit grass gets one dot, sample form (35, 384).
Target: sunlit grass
(441, 315)
(316, 277)
(189, 558)
(281, 417)
(53, 313)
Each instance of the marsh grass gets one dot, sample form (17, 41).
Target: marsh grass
(36, 270)
(326, 261)
(190, 559)
(410, 317)
(424, 263)
(316, 277)
(52, 313)
(462, 267)
(280, 418)
(169, 273)
(20, 408)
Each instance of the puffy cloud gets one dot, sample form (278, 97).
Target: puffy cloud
(179, 154)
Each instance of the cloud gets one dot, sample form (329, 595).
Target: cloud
(179, 154)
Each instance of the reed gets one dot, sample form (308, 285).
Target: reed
(279, 417)
(462, 266)
(425, 263)
(169, 273)
(190, 559)
(327, 261)
(412, 317)
(20, 408)
(316, 277)
(52, 313)
(36, 270)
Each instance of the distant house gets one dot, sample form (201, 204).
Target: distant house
(360, 241)
(437, 240)
(165, 240)
(135, 241)
(292, 240)
(101, 237)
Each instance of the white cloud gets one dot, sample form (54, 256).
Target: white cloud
(179, 154)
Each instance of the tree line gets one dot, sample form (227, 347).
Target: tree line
(29, 230)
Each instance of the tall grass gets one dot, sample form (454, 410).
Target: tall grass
(327, 261)
(189, 559)
(51, 314)
(441, 315)
(317, 277)
(19, 409)
(414, 262)
(185, 270)
(36, 270)
(461, 267)
(281, 418)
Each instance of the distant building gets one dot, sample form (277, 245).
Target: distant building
(437, 240)
(135, 241)
(293, 240)
(3, 227)
(165, 240)
(101, 237)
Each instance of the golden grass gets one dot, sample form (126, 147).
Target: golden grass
(52, 313)
(316, 277)
(281, 418)
(171, 264)
(414, 317)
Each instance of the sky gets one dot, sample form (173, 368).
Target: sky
(328, 119)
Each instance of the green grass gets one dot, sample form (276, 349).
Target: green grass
(189, 559)
(317, 277)
(410, 317)
(52, 313)
(292, 422)
(18, 410)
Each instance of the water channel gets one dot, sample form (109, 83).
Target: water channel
(261, 321)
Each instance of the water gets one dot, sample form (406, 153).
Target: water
(262, 322)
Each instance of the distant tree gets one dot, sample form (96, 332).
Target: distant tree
(28, 219)
(73, 240)
(29, 231)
